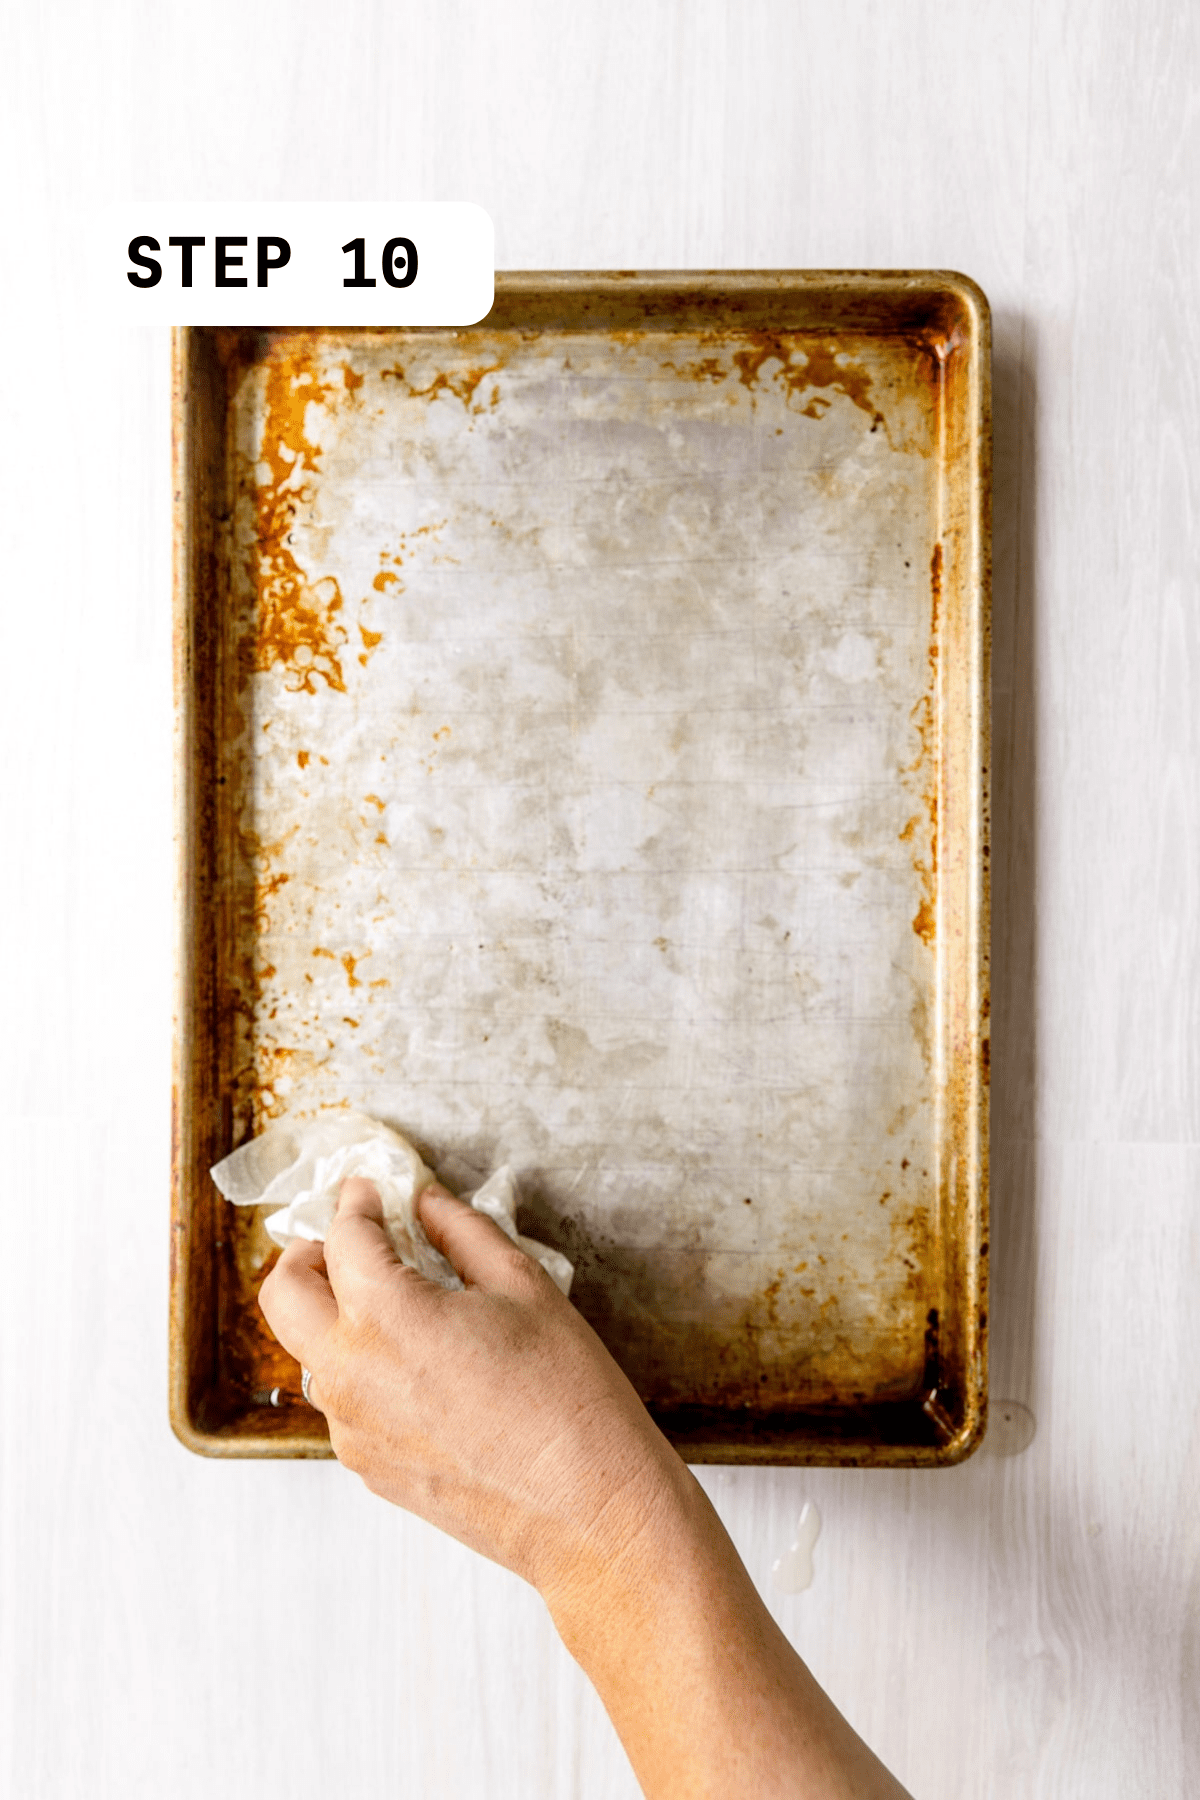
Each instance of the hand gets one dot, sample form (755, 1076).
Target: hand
(494, 1412)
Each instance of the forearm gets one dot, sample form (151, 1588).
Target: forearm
(494, 1411)
(704, 1690)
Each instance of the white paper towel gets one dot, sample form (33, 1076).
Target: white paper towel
(300, 1164)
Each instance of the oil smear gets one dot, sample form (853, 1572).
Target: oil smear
(793, 1571)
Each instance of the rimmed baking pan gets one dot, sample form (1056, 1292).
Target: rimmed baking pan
(582, 763)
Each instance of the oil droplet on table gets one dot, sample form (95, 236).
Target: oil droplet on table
(1010, 1429)
(793, 1571)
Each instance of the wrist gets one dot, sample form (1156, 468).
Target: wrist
(655, 1519)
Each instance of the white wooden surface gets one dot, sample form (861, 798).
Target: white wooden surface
(1025, 1625)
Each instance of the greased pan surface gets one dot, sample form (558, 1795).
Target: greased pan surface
(582, 735)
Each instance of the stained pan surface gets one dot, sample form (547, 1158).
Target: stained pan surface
(582, 735)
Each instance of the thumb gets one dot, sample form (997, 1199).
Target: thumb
(473, 1244)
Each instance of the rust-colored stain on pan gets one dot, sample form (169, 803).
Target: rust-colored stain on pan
(582, 752)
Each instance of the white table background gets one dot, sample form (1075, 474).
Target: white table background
(1021, 1626)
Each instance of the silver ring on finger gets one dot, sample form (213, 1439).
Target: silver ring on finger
(306, 1383)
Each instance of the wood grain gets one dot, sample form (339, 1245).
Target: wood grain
(1019, 1626)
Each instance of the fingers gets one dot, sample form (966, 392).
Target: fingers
(474, 1244)
(358, 1250)
(357, 1246)
(297, 1300)
(359, 1196)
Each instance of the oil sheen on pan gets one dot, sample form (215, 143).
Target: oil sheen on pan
(579, 708)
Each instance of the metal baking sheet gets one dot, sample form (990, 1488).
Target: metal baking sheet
(583, 727)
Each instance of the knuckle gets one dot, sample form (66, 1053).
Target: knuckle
(268, 1292)
(333, 1242)
(524, 1280)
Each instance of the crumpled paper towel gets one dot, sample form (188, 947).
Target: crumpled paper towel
(300, 1164)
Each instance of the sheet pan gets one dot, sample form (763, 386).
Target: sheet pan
(582, 753)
